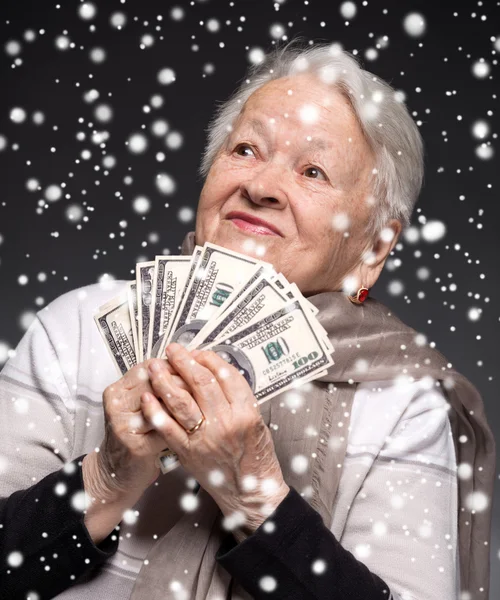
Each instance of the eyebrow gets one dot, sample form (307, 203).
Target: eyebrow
(260, 128)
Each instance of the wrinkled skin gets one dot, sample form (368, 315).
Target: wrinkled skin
(300, 192)
(232, 444)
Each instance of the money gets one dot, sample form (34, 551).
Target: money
(144, 278)
(218, 274)
(115, 327)
(274, 352)
(170, 277)
(132, 308)
(232, 304)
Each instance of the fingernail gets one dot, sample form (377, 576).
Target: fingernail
(153, 367)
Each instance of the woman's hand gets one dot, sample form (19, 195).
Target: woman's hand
(126, 462)
(231, 454)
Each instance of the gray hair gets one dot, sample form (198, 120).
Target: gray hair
(382, 115)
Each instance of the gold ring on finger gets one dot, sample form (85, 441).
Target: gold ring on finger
(197, 426)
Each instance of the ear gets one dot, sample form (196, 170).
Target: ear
(374, 259)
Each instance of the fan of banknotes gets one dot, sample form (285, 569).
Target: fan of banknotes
(219, 300)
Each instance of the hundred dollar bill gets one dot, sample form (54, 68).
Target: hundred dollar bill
(218, 274)
(144, 278)
(260, 300)
(170, 276)
(115, 327)
(195, 257)
(132, 308)
(275, 352)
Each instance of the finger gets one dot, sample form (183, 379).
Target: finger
(181, 404)
(174, 434)
(204, 386)
(232, 383)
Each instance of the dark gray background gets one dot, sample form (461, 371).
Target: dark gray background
(461, 190)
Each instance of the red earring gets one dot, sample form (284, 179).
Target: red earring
(360, 297)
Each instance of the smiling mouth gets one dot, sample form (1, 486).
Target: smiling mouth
(252, 227)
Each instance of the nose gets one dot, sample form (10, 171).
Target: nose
(265, 187)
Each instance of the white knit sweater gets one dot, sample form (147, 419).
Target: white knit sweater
(396, 507)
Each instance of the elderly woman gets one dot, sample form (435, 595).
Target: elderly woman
(315, 164)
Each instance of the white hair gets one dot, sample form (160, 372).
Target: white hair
(388, 128)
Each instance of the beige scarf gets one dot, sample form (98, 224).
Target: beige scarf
(186, 553)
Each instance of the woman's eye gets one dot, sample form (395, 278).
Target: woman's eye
(240, 146)
(316, 170)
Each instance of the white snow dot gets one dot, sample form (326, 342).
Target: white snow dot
(484, 151)
(103, 113)
(141, 205)
(74, 213)
(474, 313)
(464, 471)
(13, 47)
(91, 96)
(87, 11)
(18, 114)
(166, 76)
(348, 10)
(293, 400)
(3, 142)
(80, 501)
(159, 127)
(26, 318)
(174, 140)
(22, 279)
(277, 31)
(165, 184)
(362, 551)
(268, 583)
(69, 468)
(118, 20)
(414, 24)
(397, 501)
(189, 502)
(159, 418)
(480, 129)
(130, 516)
(477, 501)
(53, 193)
(15, 559)
(62, 42)
(481, 69)
(213, 25)
(32, 185)
(341, 222)
(256, 56)
(425, 530)
(60, 489)
(216, 477)
(395, 287)
(97, 55)
(379, 528)
(249, 483)
(137, 143)
(299, 464)
(318, 567)
(433, 231)
(177, 13)
(185, 214)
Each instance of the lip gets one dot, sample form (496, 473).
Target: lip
(252, 224)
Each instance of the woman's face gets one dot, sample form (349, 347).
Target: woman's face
(297, 159)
